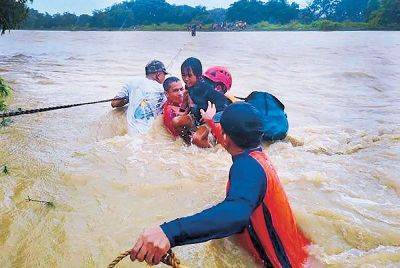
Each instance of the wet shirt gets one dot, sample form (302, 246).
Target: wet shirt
(146, 99)
(169, 113)
(247, 188)
(203, 92)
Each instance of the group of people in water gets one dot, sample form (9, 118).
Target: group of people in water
(256, 209)
(183, 106)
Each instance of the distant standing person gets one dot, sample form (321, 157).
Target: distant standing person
(145, 96)
(193, 30)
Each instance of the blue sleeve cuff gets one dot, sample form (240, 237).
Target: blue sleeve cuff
(171, 230)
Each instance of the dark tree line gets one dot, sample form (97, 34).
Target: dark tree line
(126, 15)
(254, 11)
(12, 14)
(132, 13)
(280, 11)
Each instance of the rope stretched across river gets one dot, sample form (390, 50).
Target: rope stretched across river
(40, 110)
(169, 259)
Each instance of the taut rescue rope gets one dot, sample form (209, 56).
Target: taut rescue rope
(40, 110)
(172, 62)
(169, 259)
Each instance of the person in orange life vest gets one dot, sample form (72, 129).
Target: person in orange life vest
(256, 209)
(201, 90)
(176, 108)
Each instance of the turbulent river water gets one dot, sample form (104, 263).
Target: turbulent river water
(341, 167)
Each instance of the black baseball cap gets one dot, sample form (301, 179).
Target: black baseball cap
(155, 66)
(242, 123)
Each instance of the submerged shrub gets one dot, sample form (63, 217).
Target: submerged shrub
(5, 92)
(325, 25)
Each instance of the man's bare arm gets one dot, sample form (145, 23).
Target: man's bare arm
(119, 102)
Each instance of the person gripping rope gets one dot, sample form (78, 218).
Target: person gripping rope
(145, 96)
(256, 209)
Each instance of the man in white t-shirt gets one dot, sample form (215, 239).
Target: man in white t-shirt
(145, 96)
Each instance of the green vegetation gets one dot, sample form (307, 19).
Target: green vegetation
(5, 94)
(388, 14)
(272, 15)
(163, 27)
(253, 11)
(12, 14)
(320, 25)
(159, 15)
(4, 170)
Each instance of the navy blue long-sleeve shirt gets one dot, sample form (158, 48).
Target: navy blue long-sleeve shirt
(204, 92)
(247, 188)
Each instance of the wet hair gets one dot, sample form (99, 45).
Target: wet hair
(167, 83)
(193, 64)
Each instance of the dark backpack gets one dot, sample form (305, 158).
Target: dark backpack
(273, 114)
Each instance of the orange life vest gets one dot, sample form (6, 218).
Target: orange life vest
(272, 235)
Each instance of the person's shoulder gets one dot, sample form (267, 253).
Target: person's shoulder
(154, 85)
(135, 81)
(244, 162)
(167, 107)
(205, 82)
(145, 83)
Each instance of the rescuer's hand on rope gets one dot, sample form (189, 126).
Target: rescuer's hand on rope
(151, 246)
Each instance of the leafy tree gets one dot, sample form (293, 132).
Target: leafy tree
(12, 14)
(279, 11)
(351, 10)
(36, 20)
(391, 12)
(83, 20)
(372, 6)
(251, 11)
(306, 15)
(217, 15)
(254, 11)
(324, 9)
(387, 14)
(66, 20)
(342, 10)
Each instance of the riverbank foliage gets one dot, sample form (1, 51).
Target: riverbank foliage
(5, 94)
(12, 14)
(322, 25)
(158, 15)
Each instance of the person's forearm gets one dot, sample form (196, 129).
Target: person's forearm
(222, 220)
(182, 120)
(119, 102)
(229, 217)
(216, 130)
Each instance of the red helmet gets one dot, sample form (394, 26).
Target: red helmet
(219, 74)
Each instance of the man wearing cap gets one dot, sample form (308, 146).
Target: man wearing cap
(255, 210)
(145, 96)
